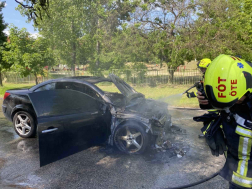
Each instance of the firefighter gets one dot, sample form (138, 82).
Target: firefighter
(228, 87)
(202, 65)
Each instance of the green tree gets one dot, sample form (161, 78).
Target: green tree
(128, 44)
(91, 32)
(3, 38)
(108, 15)
(222, 27)
(79, 30)
(34, 8)
(164, 25)
(243, 21)
(26, 54)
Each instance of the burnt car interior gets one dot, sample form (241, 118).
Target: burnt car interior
(117, 98)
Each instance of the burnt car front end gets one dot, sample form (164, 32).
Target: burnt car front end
(150, 114)
(159, 118)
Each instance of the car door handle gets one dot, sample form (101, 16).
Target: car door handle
(94, 113)
(49, 130)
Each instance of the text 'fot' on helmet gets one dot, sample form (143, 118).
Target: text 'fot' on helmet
(227, 79)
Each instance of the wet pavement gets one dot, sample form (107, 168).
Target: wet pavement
(105, 167)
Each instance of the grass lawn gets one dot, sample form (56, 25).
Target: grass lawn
(8, 86)
(167, 93)
(170, 94)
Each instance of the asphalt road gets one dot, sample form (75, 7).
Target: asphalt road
(104, 167)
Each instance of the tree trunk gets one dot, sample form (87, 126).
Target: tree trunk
(73, 51)
(171, 71)
(172, 75)
(36, 78)
(98, 47)
(74, 58)
(1, 82)
(98, 52)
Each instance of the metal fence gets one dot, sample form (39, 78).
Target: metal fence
(138, 77)
(156, 77)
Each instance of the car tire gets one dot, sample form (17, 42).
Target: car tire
(131, 138)
(24, 124)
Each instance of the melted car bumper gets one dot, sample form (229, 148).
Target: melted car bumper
(158, 128)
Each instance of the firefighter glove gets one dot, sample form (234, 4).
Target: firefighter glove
(217, 143)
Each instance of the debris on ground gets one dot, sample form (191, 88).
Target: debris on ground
(172, 146)
(174, 140)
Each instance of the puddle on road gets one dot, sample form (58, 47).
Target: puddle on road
(26, 145)
(30, 183)
(2, 162)
(9, 133)
(12, 186)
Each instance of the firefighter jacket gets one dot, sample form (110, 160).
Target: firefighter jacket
(237, 128)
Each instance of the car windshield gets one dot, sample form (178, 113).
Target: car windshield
(125, 88)
(114, 94)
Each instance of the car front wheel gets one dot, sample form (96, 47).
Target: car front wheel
(24, 124)
(131, 138)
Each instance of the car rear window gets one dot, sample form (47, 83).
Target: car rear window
(47, 87)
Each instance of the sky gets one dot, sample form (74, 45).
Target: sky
(12, 16)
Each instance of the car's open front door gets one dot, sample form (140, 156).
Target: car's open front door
(65, 121)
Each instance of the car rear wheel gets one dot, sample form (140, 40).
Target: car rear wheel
(131, 138)
(24, 124)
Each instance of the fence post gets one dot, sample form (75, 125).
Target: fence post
(184, 77)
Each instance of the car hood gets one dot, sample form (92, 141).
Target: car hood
(124, 88)
(149, 108)
(146, 110)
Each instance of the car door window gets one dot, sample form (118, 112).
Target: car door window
(78, 87)
(47, 87)
(62, 102)
(89, 91)
(65, 85)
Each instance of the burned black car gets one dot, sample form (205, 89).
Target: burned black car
(70, 114)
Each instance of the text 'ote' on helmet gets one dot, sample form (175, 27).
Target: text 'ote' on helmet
(227, 79)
